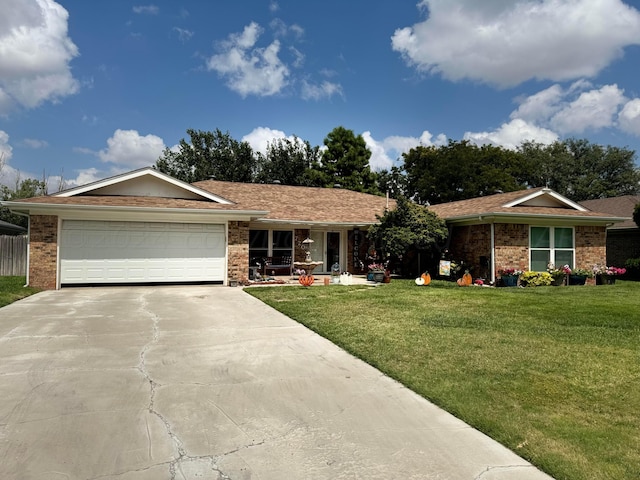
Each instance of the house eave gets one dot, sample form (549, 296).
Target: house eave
(501, 217)
(129, 212)
(314, 223)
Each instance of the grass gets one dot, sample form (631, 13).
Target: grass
(551, 372)
(13, 289)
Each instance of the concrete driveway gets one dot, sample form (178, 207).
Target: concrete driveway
(153, 383)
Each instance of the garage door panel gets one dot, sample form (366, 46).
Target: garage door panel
(122, 252)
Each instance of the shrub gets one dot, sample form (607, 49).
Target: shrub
(536, 279)
(633, 268)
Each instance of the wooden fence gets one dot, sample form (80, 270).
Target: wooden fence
(13, 255)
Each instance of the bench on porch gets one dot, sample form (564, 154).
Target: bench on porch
(277, 265)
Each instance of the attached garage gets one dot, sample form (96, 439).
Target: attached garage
(113, 252)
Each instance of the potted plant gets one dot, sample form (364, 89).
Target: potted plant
(376, 272)
(607, 275)
(509, 276)
(578, 276)
(558, 275)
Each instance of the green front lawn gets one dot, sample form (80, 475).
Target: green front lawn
(551, 372)
(13, 289)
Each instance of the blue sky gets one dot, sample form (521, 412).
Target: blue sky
(93, 89)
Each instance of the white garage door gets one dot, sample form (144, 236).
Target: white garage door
(139, 252)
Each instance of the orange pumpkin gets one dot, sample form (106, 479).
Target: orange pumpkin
(426, 277)
(306, 280)
(466, 280)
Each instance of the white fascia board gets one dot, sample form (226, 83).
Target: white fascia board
(501, 217)
(139, 173)
(546, 191)
(89, 212)
(304, 224)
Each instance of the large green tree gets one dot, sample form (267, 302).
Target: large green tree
(24, 189)
(209, 155)
(407, 229)
(290, 162)
(345, 161)
(581, 170)
(458, 171)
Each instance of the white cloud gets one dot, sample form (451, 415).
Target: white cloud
(35, 52)
(146, 9)
(130, 150)
(6, 151)
(259, 137)
(385, 153)
(34, 143)
(325, 89)
(592, 110)
(629, 117)
(247, 69)
(574, 110)
(183, 34)
(511, 135)
(505, 43)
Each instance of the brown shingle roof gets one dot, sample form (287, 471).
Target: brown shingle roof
(130, 201)
(495, 204)
(619, 206)
(302, 204)
(283, 202)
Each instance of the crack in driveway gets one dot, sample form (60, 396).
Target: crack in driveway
(176, 465)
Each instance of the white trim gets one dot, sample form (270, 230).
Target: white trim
(552, 249)
(121, 212)
(548, 192)
(140, 173)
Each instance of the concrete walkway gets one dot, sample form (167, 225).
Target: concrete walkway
(153, 383)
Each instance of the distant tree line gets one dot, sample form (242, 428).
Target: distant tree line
(575, 168)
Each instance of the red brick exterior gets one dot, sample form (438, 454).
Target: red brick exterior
(43, 251)
(238, 251)
(591, 246)
(470, 243)
(512, 246)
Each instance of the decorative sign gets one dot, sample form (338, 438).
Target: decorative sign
(356, 248)
(445, 268)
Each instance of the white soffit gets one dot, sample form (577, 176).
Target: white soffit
(146, 182)
(546, 198)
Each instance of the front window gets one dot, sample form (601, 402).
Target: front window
(551, 245)
(269, 243)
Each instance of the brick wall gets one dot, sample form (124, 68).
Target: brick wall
(238, 251)
(512, 246)
(43, 251)
(591, 246)
(469, 243)
(299, 234)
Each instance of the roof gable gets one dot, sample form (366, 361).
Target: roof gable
(535, 205)
(545, 197)
(145, 182)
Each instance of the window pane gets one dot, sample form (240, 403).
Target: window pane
(282, 239)
(258, 239)
(540, 238)
(563, 238)
(539, 260)
(564, 257)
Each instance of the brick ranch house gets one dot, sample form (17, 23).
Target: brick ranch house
(147, 227)
(525, 230)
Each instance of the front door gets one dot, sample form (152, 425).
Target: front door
(325, 248)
